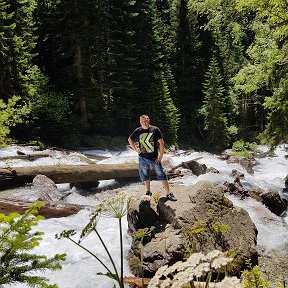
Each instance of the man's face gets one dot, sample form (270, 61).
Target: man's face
(145, 122)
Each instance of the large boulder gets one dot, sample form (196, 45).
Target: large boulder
(202, 219)
(270, 198)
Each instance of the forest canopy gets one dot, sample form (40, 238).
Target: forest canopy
(207, 72)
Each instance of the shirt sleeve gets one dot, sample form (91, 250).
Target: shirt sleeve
(134, 135)
(158, 134)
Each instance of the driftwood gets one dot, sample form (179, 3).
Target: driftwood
(48, 210)
(29, 157)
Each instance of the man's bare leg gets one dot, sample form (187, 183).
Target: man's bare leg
(166, 186)
(147, 185)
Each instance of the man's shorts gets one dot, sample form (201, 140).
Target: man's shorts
(144, 168)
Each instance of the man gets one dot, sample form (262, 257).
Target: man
(149, 137)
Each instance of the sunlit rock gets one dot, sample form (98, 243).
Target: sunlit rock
(202, 219)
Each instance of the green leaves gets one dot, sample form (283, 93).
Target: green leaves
(16, 242)
(11, 114)
(215, 122)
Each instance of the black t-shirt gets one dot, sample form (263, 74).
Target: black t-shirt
(148, 140)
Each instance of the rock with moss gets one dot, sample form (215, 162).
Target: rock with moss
(202, 219)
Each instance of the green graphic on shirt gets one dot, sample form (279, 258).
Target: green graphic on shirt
(147, 142)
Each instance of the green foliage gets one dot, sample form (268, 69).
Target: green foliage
(277, 107)
(274, 11)
(105, 142)
(16, 242)
(10, 115)
(215, 122)
(243, 149)
(17, 40)
(253, 277)
(220, 227)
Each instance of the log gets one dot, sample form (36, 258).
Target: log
(29, 157)
(18, 176)
(48, 210)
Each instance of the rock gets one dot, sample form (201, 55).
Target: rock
(235, 173)
(195, 167)
(247, 164)
(271, 199)
(45, 189)
(202, 219)
(286, 182)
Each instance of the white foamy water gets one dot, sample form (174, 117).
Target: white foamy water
(79, 270)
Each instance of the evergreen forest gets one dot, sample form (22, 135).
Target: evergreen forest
(207, 72)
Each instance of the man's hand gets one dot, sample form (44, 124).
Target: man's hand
(158, 159)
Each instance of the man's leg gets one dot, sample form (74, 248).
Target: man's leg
(165, 184)
(144, 168)
(147, 185)
(162, 176)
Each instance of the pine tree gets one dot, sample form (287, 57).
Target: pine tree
(17, 39)
(188, 67)
(215, 122)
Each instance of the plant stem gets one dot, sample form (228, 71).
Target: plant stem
(110, 257)
(79, 245)
(121, 251)
(141, 261)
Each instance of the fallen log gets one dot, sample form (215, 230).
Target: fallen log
(29, 157)
(50, 209)
(18, 176)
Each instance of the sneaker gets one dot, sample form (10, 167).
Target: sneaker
(148, 193)
(171, 197)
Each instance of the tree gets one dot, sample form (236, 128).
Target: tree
(17, 40)
(16, 242)
(10, 116)
(265, 72)
(188, 70)
(215, 122)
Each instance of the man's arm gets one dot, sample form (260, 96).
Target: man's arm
(133, 146)
(161, 150)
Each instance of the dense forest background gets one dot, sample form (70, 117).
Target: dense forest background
(207, 72)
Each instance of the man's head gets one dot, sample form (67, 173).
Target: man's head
(144, 121)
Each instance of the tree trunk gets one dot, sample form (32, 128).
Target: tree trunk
(17, 176)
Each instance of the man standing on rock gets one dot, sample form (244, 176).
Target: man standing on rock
(148, 137)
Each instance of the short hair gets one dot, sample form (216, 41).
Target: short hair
(144, 116)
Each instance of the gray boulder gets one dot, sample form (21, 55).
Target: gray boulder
(202, 219)
(45, 189)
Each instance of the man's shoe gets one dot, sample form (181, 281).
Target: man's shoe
(171, 197)
(148, 193)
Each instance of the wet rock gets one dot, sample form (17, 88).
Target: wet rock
(271, 199)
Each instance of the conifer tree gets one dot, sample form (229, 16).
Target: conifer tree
(17, 39)
(188, 67)
(163, 111)
(215, 122)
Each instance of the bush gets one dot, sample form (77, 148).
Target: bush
(243, 149)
